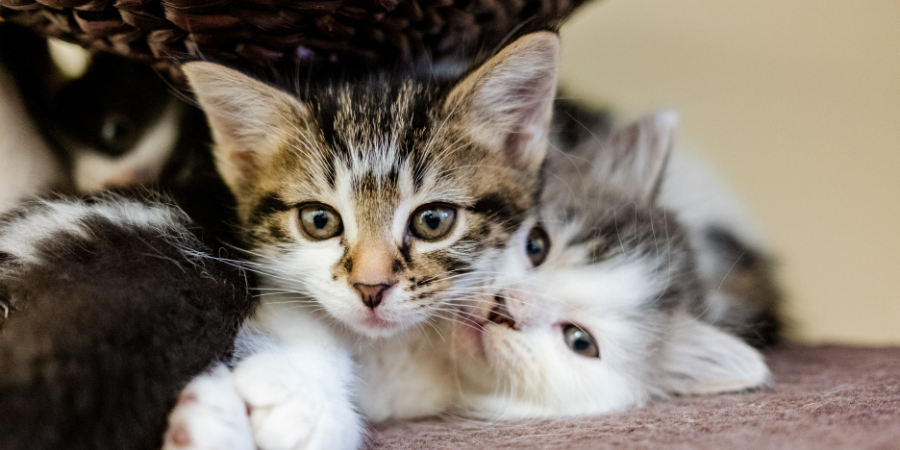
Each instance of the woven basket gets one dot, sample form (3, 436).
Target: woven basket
(270, 32)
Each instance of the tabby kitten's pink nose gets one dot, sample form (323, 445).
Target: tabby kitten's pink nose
(371, 294)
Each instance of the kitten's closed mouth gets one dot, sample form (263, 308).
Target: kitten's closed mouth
(377, 323)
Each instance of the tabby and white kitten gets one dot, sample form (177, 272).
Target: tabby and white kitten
(370, 207)
(599, 303)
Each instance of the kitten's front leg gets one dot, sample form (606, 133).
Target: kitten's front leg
(210, 415)
(299, 396)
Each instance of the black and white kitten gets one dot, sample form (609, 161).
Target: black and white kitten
(107, 308)
(113, 124)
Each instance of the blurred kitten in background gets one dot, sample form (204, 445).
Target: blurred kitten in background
(112, 123)
(77, 123)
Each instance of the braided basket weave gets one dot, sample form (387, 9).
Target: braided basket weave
(265, 32)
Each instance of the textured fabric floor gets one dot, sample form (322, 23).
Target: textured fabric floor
(825, 397)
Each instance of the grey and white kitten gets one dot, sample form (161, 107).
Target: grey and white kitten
(369, 208)
(600, 304)
(732, 258)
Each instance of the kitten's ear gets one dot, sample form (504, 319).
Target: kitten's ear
(506, 104)
(698, 359)
(637, 153)
(249, 119)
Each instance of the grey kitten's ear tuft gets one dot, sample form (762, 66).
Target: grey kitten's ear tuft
(638, 152)
(698, 359)
(249, 119)
(506, 104)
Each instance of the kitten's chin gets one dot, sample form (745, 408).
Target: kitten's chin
(375, 327)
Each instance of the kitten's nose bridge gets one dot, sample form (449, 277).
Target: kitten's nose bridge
(372, 265)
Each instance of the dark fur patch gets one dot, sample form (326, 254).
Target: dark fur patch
(276, 231)
(452, 265)
(729, 248)
(746, 276)
(574, 123)
(425, 295)
(493, 205)
(405, 253)
(347, 262)
(269, 204)
(111, 328)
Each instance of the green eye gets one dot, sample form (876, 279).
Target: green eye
(580, 341)
(538, 246)
(320, 222)
(433, 221)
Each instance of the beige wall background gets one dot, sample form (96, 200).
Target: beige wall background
(798, 103)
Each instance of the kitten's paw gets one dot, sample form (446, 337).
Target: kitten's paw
(289, 411)
(210, 415)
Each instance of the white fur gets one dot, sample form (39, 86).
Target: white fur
(211, 415)
(27, 164)
(298, 389)
(20, 234)
(698, 359)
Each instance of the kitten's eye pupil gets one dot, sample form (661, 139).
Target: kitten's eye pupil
(580, 341)
(116, 130)
(538, 246)
(320, 222)
(320, 219)
(582, 345)
(433, 221)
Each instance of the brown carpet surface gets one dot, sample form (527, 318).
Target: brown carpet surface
(824, 397)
